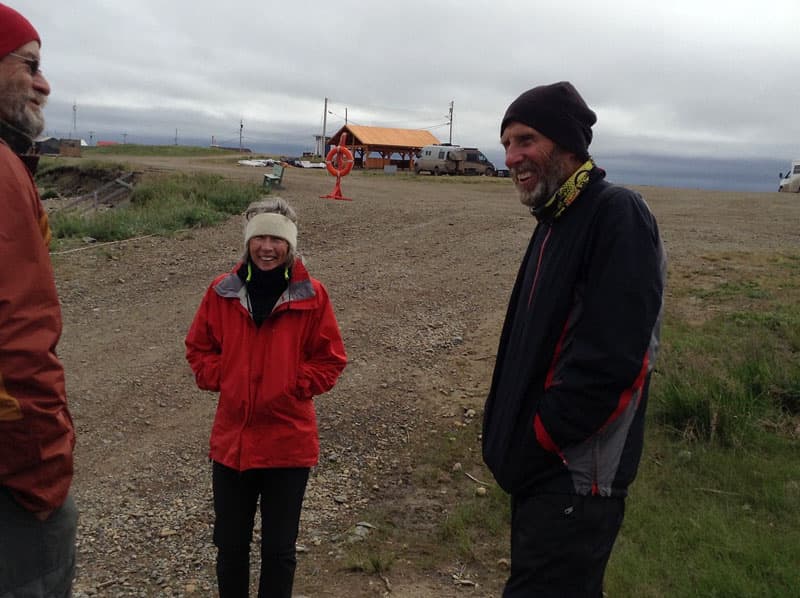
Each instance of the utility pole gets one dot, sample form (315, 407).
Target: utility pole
(176, 136)
(345, 115)
(124, 138)
(324, 125)
(74, 118)
(450, 119)
(91, 137)
(241, 128)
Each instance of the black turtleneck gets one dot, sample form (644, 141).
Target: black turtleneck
(263, 289)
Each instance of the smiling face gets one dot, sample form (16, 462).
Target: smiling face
(267, 252)
(537, 165)
(23, 94)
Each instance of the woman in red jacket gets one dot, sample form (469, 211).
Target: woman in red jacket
(264, 337)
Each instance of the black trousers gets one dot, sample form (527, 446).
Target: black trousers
(236, 495)
(560, 544)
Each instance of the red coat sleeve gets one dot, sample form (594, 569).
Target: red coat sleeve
(203, 344)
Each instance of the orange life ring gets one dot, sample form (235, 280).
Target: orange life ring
(344, 161)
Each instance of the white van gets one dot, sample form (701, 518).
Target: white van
(452, 159)
(791, 182)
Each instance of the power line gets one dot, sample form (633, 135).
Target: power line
(397, 110)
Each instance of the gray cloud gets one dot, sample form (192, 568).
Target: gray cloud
(680, 79)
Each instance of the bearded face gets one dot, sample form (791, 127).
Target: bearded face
(546, 174)
(23, 93)
(22, 107)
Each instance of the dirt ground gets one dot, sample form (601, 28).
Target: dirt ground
(419, 271)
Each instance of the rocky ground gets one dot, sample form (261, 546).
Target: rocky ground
(419, 270)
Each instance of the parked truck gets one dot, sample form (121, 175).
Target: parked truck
(790, 183)
(452, 159)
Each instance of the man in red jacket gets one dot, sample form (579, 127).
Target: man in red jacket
(38, 518)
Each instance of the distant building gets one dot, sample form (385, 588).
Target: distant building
(60, 147)
(70, 147)
(393, 146)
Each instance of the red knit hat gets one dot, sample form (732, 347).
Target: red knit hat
(15, 31)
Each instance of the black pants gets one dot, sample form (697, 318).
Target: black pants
(560, 544)
(236, 495)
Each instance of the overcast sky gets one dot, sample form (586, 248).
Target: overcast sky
(694, 82)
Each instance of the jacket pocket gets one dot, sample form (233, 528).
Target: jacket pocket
(20, 447)
(526, 462)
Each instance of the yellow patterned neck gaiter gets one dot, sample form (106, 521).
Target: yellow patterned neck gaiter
(567, 193)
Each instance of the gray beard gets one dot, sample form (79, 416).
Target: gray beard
(22, 117)
(30, 122)
(550, 179)
(543, 191)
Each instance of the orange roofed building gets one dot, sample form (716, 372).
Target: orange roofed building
(373, 147)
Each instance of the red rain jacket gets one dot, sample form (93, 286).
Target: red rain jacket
(36, 432)
(266, 376)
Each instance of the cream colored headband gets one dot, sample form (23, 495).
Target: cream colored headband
(272, 224)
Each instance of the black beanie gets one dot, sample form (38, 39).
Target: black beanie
(557, 111)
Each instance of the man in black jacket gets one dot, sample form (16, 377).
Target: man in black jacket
(563, 422)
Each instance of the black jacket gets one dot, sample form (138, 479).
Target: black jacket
(565, 412)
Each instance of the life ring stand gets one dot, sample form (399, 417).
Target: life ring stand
(339, 161)
(344, 161)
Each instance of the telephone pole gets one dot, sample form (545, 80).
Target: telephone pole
(450, 120)
(241, 128)
(324, 126)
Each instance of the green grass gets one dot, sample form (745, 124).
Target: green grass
(714, 510)
(706, 521)
(133, 149)
(53, 167)
(370, 561)
(160, 205)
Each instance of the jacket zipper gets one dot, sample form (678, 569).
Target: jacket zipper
(539, 263)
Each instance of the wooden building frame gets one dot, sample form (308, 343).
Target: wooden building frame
(363, 141)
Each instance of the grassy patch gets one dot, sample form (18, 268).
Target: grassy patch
(708, 521)
(161, 205)
(370, 561)
(133, 149)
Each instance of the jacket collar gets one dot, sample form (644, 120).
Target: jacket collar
(300, 288)
(16, 139)
(585, 175)
(20, 144)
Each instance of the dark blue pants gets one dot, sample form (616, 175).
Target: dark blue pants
(37, 558)
(236, 495)
(560, 544)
